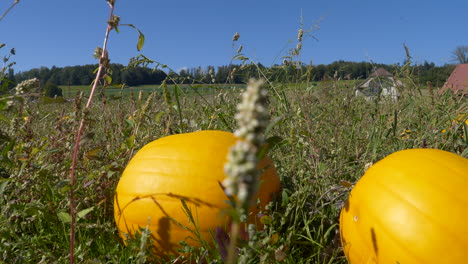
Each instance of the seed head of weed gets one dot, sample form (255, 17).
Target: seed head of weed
(236, 36)
(241, 167)
(26, 86)
(300, 33)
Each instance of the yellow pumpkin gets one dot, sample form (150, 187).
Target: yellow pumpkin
(410, 207)
(184, 166)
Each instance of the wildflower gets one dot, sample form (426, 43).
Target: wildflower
(241, 167)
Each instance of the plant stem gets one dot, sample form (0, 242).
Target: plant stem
(78, 138)
(232, 244)
(9, 9)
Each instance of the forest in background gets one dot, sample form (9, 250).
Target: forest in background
(134, 76)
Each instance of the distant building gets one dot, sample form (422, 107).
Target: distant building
(457, 81)
(379, 84)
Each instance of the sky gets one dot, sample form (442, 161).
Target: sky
(189, 33)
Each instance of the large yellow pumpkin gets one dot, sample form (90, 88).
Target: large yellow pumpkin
(184, 166)
(410, 207)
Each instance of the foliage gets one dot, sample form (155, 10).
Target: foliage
(460, 54)
(233, 73)
(84, 75)
(327, 137)
(321, 138)
(52, 90)
(7, 78)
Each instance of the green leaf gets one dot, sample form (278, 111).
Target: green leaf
(4, 119)
(3, 104)
(64, 217)
(130, 141)
(130, 122)
(276, 121)
(158, 116)
(240, 57)
(141, 40)
(84, 212)
(7, 148)
(3, 185)
(93, 154)
(108, 79)
(284, 198)
(141, 36)
(179, 110)
(270, 143)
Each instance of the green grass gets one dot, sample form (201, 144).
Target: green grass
(118, 91)
(327, 136)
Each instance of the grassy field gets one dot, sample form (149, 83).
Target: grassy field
(328, 136)
(117, 92)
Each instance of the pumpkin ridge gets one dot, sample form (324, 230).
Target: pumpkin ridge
(164, 174)
(383, 229)
(363, 241)
(432, 181)
(173, 198)
(448, 167)
(421, 212)
(424, 154)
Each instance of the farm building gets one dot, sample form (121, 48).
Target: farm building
(457, 81)
(380, 83)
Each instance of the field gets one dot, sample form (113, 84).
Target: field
(326, 137)
(116, 92)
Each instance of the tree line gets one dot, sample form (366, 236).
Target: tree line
(85, 74)
(133, 76)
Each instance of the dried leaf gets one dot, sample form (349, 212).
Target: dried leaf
(346, 184)
(280, 255)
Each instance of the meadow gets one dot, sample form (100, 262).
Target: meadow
(322, 139)
(116, 91)
(325, 138)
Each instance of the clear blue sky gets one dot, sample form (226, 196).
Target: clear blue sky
(188, 33)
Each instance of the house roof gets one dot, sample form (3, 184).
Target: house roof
(458, 80)
(381, 72)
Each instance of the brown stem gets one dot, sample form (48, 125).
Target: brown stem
(78, 138)
(232, 244)
(9, 9)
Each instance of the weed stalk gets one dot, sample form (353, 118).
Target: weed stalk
(103, 62)
(9, 9)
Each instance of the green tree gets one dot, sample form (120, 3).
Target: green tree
(52, 90)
